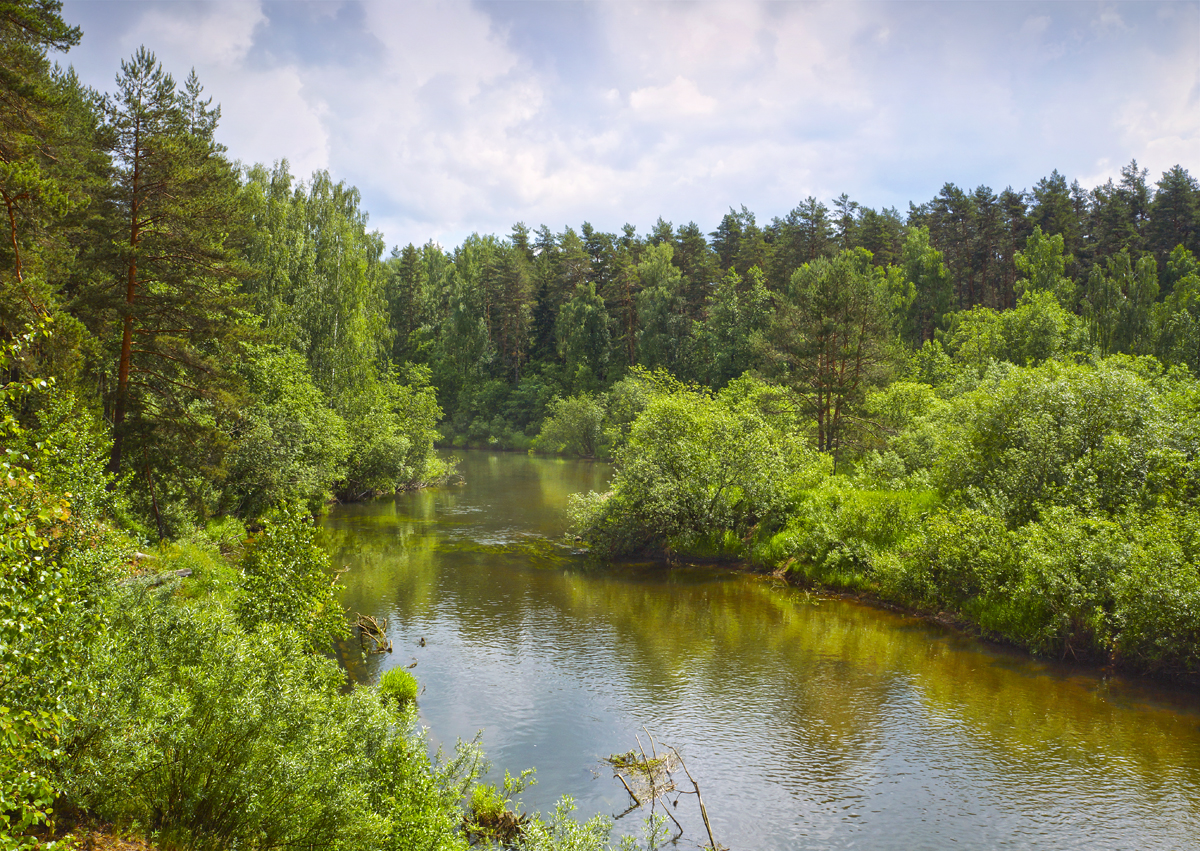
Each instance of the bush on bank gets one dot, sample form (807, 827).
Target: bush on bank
(698, 472)
(212, 737)
(1053, 506)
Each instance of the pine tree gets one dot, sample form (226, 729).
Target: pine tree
(1174, 215)
(35, 189)
(173, 220)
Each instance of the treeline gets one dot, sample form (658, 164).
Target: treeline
(508, 324)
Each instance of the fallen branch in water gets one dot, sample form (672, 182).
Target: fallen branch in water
(648, 780)
(368, 627)
(700, 800)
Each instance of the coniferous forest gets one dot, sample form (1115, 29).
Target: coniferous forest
(984, 407)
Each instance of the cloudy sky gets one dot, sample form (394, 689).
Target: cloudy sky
(453, 117)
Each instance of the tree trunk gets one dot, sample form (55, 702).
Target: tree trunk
(124, 363)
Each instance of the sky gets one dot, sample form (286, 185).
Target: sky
(460, 117)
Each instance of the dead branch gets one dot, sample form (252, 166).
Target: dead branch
(699, 799)
(368, 627)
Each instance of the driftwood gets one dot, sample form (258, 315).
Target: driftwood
(648, 780)
(376, 631)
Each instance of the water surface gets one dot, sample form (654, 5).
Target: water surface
(808, 722)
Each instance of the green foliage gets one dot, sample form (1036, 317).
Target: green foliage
(1061, 600)
(564, 833)
(319, 281)
(630, 396)
(39, 186)
(573, 426)
(1177, 317)
(829, 341)
(1050, 503)
(839, 534)
(1156, 617)
(1038, 329)
(323, 291)
(218, 739)
(660, 312)
(1101, 438)
(694, 465)
(288, 443)
(932, 290)
(492, 815)
(48, 590)
(1118, 304)
(1067, 525)
(486, 804)
(584, 338)
(958, 557)
(1043, 266)
(392, 426)
(400, 685)
(28, 743)
(168, 280)
(286, 582)
(737, 312)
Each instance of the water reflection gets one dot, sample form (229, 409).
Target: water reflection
(810, 723)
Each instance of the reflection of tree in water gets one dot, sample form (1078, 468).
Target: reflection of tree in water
(1022, 716)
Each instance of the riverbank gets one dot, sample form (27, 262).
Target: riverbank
(1081, 661)
(857, 585)
(1067, 529)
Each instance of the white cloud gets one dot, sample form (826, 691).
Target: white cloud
(1109, 20)
(451, 118)
(214, 34)
(677, 99)
(1035, 25)
(267, 113)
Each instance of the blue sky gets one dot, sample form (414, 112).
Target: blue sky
(459, 117)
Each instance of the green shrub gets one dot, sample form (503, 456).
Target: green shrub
(391, 423)
(1062, 602)
(288, 443)
(492, 814)
(575, 426)
(487, 804)
(400, 685)
(692, 468)
(838, 533)
(212, 738)
(286, 581)
(1156, 614)
(1103, 439)
(957, 556)
(54, 560)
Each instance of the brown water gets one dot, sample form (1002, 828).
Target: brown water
(809, 723)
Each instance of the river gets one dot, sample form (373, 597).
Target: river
(808, 722)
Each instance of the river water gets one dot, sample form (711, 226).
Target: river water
(807, 722)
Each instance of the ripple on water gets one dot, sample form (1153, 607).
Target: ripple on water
(809, 723)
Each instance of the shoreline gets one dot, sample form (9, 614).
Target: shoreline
(1080, 662)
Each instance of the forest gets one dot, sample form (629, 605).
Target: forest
(984, 408)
